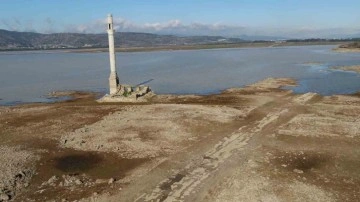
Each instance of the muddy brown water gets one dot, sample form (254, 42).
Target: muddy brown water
(77, 163)
(94, 164)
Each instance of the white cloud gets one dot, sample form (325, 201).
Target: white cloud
(178, 28)
(173, 24)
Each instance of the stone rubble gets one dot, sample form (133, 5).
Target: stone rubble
(16, 166)
(127, 93)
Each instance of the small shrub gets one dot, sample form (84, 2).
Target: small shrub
(126, 94)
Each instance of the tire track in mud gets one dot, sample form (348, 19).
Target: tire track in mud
(185, 182)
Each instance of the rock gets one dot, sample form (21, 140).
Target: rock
(111, 181)
(100, 181)
(206, 161)
(66, 182)
(252, 164)
(78, 182)
(53, 179)
(20, 175)
(40, 191)
(298, 171)
(4, 197)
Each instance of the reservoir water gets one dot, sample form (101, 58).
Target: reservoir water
(30, 76)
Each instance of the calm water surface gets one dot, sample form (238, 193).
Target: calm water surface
(30, 76)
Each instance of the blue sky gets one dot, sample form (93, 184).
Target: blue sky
(299, 18)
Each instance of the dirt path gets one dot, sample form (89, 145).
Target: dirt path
(181, 186)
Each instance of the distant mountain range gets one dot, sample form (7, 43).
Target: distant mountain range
(12, 40)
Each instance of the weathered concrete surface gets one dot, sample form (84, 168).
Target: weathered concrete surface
(113, 78)
(127, 93)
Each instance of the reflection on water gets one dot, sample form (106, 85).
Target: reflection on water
(29, 77)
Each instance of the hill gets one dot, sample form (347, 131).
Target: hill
(12, 40)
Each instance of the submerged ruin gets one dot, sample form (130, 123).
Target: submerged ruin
(121, 92)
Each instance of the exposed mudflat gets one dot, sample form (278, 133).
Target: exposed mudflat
(258, 143)
(354, 68)
(347, 50)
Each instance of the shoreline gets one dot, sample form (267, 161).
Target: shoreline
(352, 68)
(206, 47)
(183, 47)
(347, 50)
(93, 96)
(58, 97)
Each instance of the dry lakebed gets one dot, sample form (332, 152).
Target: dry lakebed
(257, 143)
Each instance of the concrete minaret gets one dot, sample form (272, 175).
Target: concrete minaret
(113, 79)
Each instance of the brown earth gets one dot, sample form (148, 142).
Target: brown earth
(258, 143)
(354, 68)
(347, 50)
(349, 47)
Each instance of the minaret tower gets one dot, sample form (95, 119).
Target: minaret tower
(113, 79)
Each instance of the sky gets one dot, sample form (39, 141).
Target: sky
(231, 18)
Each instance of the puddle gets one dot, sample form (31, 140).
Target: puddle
(302, 161)
(93, 164)
(77, 163)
